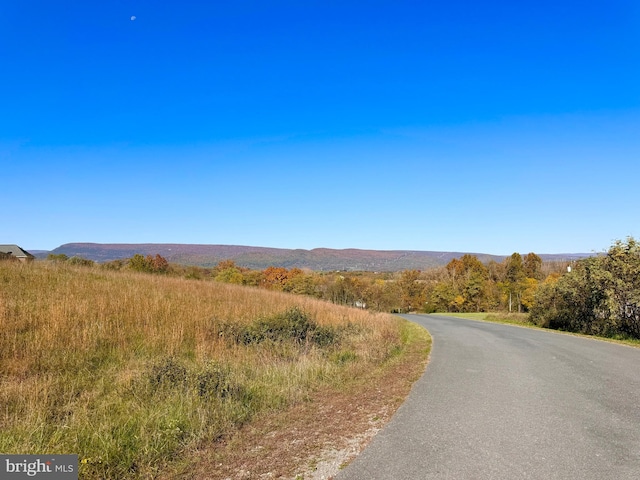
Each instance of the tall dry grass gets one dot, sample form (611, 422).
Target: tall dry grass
(131, 370)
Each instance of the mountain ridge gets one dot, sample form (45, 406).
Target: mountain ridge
(259, 258)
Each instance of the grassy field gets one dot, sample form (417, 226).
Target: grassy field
(133, 372)
(522, 319)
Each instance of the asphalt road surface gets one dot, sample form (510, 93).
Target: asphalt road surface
(503, 402)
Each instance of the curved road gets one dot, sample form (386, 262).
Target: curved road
(503, 402)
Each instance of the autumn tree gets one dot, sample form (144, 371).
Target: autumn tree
(159, 264)
(299, 282)
(513, 279)
(474, 284)
(465, 286)
(149, 264)
(495, 285)
(275, 278)
(344, 290)
(532, 265)
(382, 295)
(529, 290)
(455, 269)
(412, 291)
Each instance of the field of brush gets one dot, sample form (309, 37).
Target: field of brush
(131, 371)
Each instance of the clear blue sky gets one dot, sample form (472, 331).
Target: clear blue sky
(491, 127)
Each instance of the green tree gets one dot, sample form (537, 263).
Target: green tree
(601, 294)
(442, 297)
(622, 262)
(299, 283)
(230, 275)
(578, 301)
(227, 271)
(138, 263)
(252, 278)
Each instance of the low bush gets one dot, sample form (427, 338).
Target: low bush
(209, 381)
(293, 325)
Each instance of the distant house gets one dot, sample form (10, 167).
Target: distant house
(15, 251)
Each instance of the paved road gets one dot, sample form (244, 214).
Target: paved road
(502, 402)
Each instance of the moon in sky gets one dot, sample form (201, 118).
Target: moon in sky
(133, 17)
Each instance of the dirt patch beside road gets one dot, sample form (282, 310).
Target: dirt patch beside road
(314, 439)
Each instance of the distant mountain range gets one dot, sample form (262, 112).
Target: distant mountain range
(259, 258)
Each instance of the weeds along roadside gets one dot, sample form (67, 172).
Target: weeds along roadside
(131, 370)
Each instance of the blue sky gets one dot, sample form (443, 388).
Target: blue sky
(489, 127)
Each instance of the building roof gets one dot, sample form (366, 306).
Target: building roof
(15, 250)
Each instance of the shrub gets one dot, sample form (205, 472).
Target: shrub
(61, 257)
(208, 382)
(216, 381)
(293, 325)
(168, 373)
(81, 261)
(149, 264)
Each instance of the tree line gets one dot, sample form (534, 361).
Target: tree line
(463, 285)
(595, 295)
(600, 295)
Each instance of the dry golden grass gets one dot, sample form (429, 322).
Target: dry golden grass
(129, 370)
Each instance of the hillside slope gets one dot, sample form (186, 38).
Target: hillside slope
(318, 259)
